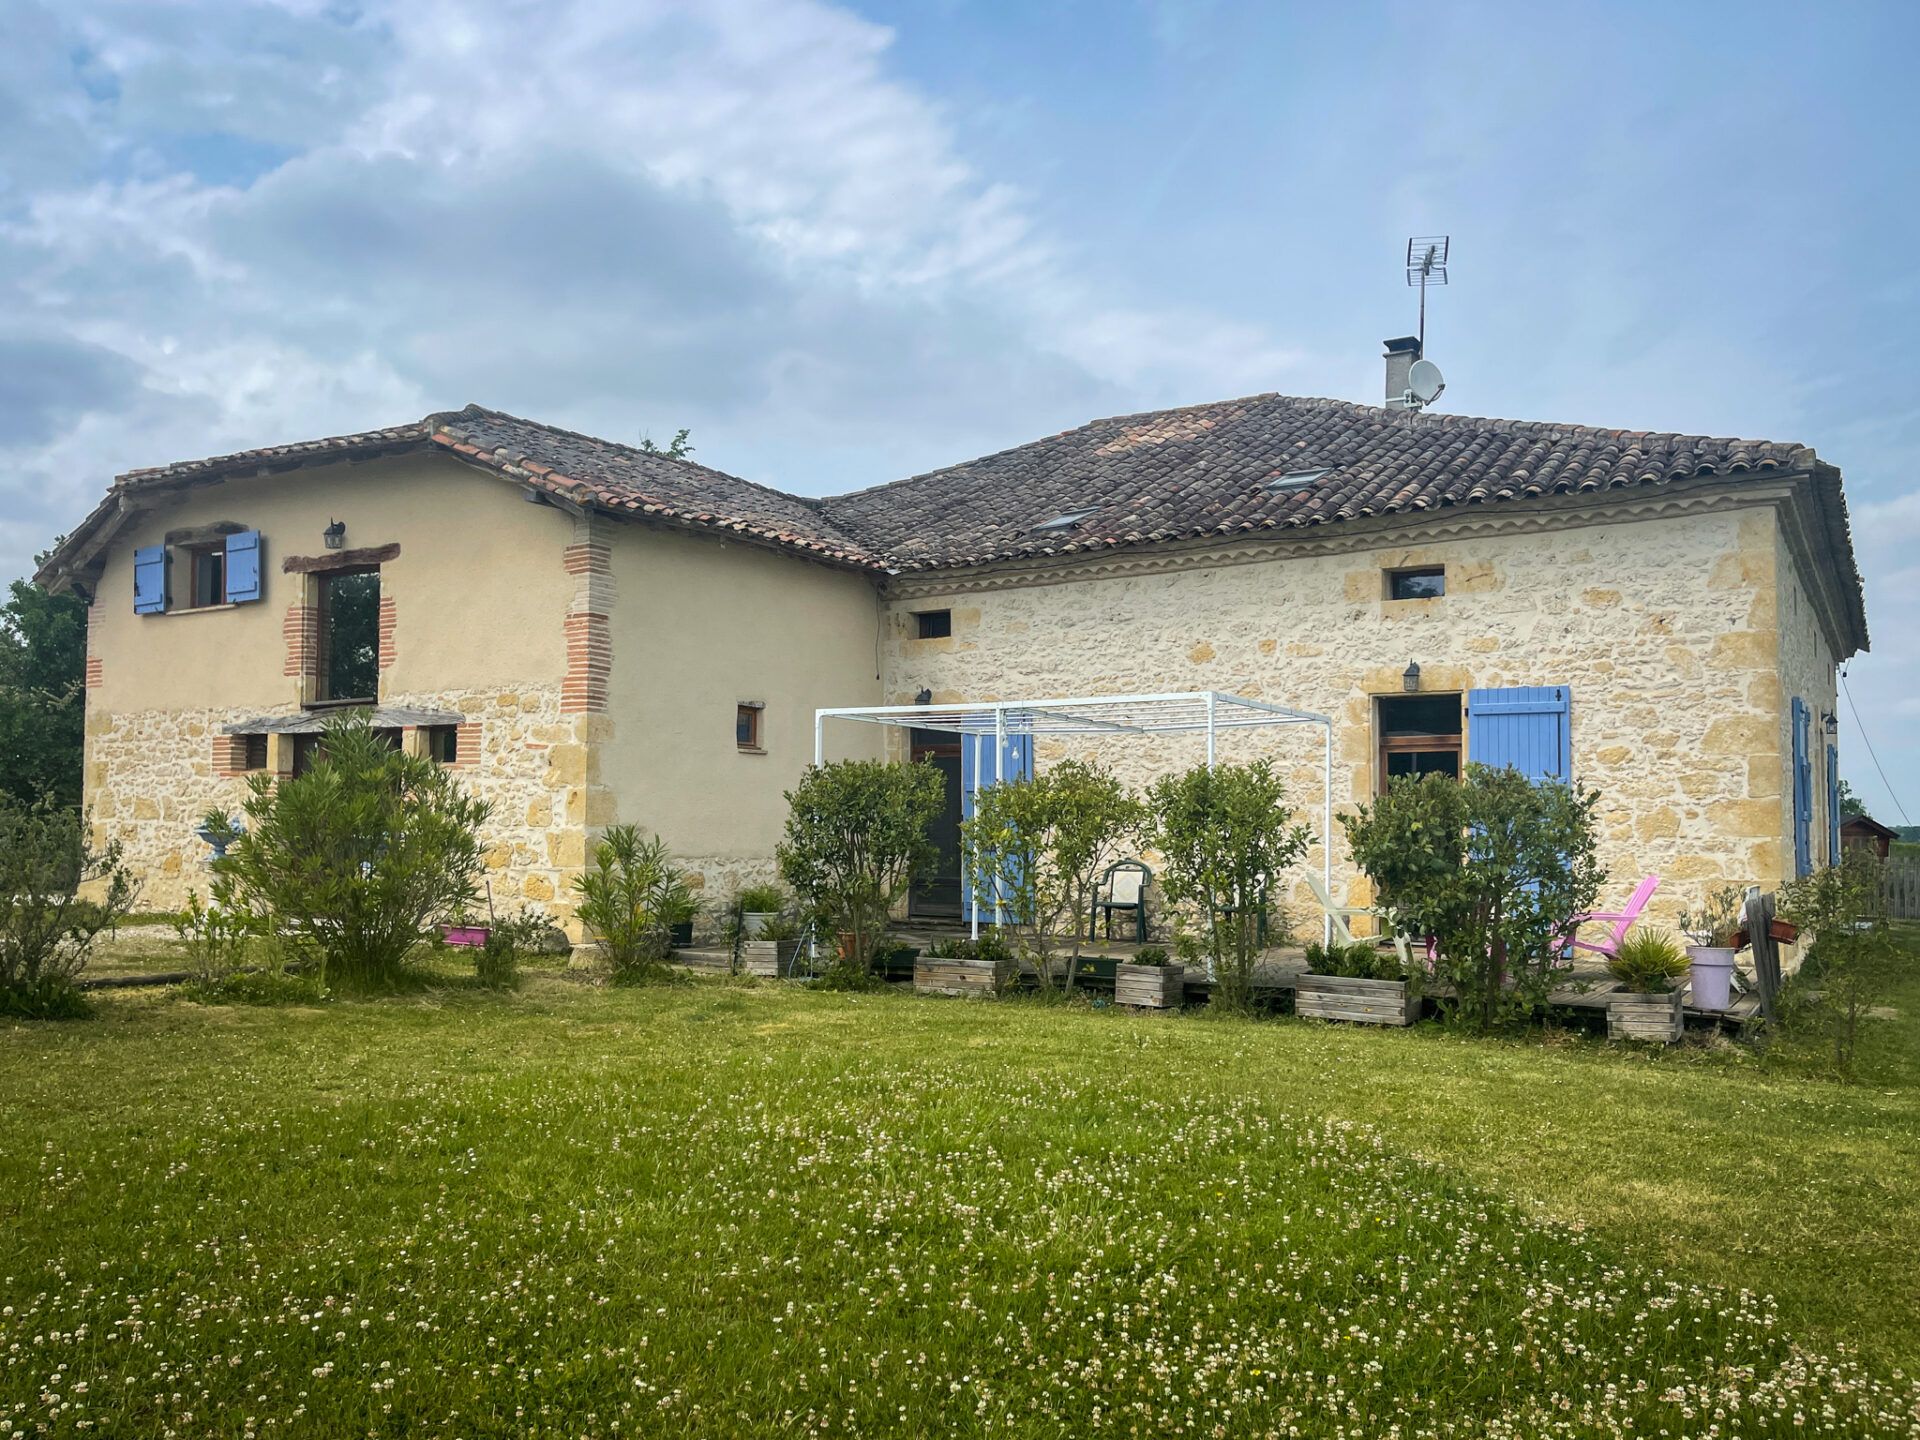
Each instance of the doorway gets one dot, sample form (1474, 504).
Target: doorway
(936, 893)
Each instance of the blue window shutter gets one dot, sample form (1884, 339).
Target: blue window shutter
(149, 579)
(979, 767)
(1802, 791)
(1833, 805)
(243, 567)
(1529, 727)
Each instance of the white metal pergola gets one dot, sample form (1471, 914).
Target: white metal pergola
(1193, 712)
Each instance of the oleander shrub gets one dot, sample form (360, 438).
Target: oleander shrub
(631, 899)
(48, 927)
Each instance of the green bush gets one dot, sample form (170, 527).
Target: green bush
(1854, 956)
(1041, 845)
(631, 899)
(496, 964)
(1648, 962)
(218, 935)
(358, 862)
(47, 930)
(1493, 867)
(1155, 955)
(270, 986)
(1358, 961)
(1226, 835)
(856, 835)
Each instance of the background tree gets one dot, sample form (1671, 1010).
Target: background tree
(43, 660)
(1491, 866)
(856, 836)
(358, 860)
(1225, 835)
(1041, 845)
(1850, 803)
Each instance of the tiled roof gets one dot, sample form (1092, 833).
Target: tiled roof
(1266, 463)
(1218, 470)
(626, 480)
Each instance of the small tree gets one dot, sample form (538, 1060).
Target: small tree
(631, 899)
(1225, 835)
(1041, 844)
(47, 931)
(1854, 952)
(856, 836)
(356, 861)
(1492, 867)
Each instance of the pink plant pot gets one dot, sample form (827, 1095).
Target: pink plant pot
(474, 935)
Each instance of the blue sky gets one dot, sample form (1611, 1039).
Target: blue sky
(844, 243)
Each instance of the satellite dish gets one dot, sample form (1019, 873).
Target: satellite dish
(1425, 382)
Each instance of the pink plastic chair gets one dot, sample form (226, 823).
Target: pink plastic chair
(1622, 921)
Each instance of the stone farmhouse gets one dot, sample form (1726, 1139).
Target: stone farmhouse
(595, 634)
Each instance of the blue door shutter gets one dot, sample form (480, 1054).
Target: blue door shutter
(1833, 805)
(1802, 791)
(149, 579)
(1526, 726)
(243, 567)
(979, 767)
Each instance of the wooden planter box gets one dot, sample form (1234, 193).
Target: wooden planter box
(1157, 987)
(1644, 1017)
(1369, 1002)
(767, 957)
(935, 976)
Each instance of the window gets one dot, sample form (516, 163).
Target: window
(934, 624)
(1066, 520)
(1295, 479)
(349, 665)
(198, 569)
(1426, 584)
(206, 575)
(254, 752)
(307, 749)
(443, 743)
(746, 726)
(1419, 735)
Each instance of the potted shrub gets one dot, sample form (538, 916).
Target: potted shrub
(1151, 979)
(1714, 930)
(757, 905)
(1649, 964)
(1358, 982)
(772, 950)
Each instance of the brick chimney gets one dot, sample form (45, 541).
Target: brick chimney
(1401, 354)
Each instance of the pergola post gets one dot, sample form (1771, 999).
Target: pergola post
(1326, 826)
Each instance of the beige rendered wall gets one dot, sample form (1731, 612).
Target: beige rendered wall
(699, 626)
(478, 596)
(1663, 628)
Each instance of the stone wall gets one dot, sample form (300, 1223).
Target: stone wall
(1663, 628)
(1806, 670)
(151, 775)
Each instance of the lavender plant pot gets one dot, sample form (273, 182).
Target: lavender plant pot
(1710, 974)
(473, 935)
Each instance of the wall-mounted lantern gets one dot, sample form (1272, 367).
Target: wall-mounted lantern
(1830, 721)
(1410, 678)
(336, 534)
(925, 697)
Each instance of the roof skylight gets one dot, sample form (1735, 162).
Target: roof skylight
(1296, 479)
(1066, 520)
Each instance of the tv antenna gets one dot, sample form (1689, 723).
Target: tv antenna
(1426, 265)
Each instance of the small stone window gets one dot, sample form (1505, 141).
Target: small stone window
(253, 752)
(933, 624)
(443, 743)
(746, 726)
(1427, 583)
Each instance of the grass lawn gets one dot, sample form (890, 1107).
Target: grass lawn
(720, 1209)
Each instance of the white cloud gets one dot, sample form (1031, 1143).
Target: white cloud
(274, 221)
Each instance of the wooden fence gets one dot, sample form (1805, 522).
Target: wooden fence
(1903, 889)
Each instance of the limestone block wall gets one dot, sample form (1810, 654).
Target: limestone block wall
(1807, 669)
(1663, 628)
